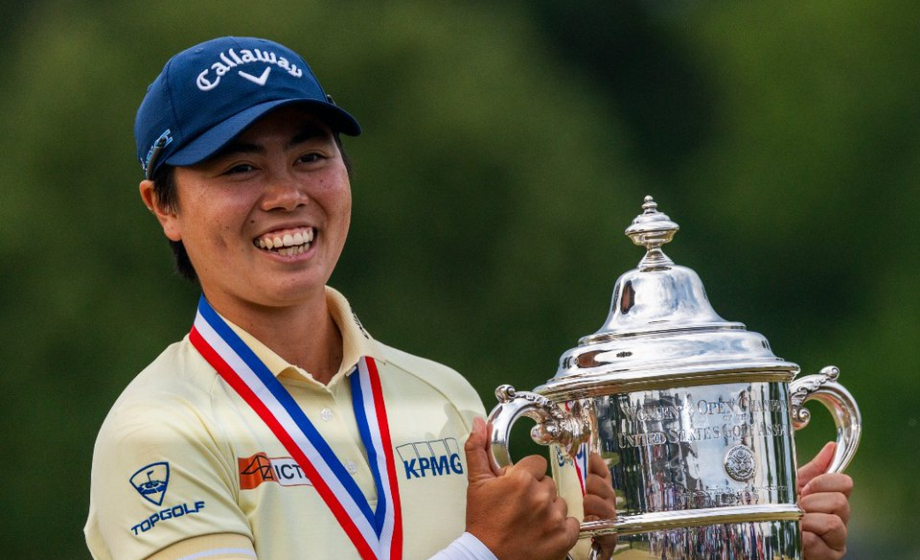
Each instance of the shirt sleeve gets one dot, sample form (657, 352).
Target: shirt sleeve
(465, 547)
(225, 546)
(160, 476)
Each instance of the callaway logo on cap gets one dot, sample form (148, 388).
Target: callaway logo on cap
(210, 93)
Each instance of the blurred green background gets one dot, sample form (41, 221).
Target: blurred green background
(507, 145)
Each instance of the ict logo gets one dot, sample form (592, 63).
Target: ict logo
(261, 468)
(439, 457)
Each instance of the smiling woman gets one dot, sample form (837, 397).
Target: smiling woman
(259, 198)
(505, 143)
(164, 191)
(283, 176)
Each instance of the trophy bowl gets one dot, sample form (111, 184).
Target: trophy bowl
(689, 418)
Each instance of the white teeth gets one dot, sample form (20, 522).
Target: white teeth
(288, 244)
(295, 250)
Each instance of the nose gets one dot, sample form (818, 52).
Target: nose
(284, 192)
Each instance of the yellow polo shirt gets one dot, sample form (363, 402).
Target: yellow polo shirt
(181, 456)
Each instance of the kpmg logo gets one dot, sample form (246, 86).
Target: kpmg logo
(151, 481)
(261, 468)
(440, 457)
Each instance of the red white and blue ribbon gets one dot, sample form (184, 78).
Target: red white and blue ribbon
(377, 534)
(581, 466)
(580, 461)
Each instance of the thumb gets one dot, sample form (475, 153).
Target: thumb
(478, 455)
(816, 466)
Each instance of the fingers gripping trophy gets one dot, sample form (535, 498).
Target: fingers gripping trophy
(671, 429)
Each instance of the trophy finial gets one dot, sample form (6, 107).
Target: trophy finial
(652, 229)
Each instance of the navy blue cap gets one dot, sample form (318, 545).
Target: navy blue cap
(210, 93)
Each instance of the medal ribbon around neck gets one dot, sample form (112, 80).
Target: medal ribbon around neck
(377, 534)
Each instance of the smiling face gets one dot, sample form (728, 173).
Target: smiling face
(264, 221)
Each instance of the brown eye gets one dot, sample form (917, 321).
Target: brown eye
(310, 158)
(241, 168)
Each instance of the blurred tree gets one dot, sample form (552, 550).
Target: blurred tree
(634, 50)
(506, 147)
(461, 233)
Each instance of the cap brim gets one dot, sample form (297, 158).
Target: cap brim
(213, 140)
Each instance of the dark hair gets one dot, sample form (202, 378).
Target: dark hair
(164, 187)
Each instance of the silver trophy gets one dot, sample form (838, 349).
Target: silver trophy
(692, 415)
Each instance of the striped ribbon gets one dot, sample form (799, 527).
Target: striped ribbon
(581, 466)
(580, 460)
(377, 534)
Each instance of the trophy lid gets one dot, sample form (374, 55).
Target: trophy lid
(662, 330)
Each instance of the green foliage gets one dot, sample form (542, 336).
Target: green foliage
(506, 146)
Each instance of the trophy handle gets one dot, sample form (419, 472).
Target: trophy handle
(824, 388)
(554, 425)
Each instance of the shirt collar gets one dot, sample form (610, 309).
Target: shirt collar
(356, 342)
